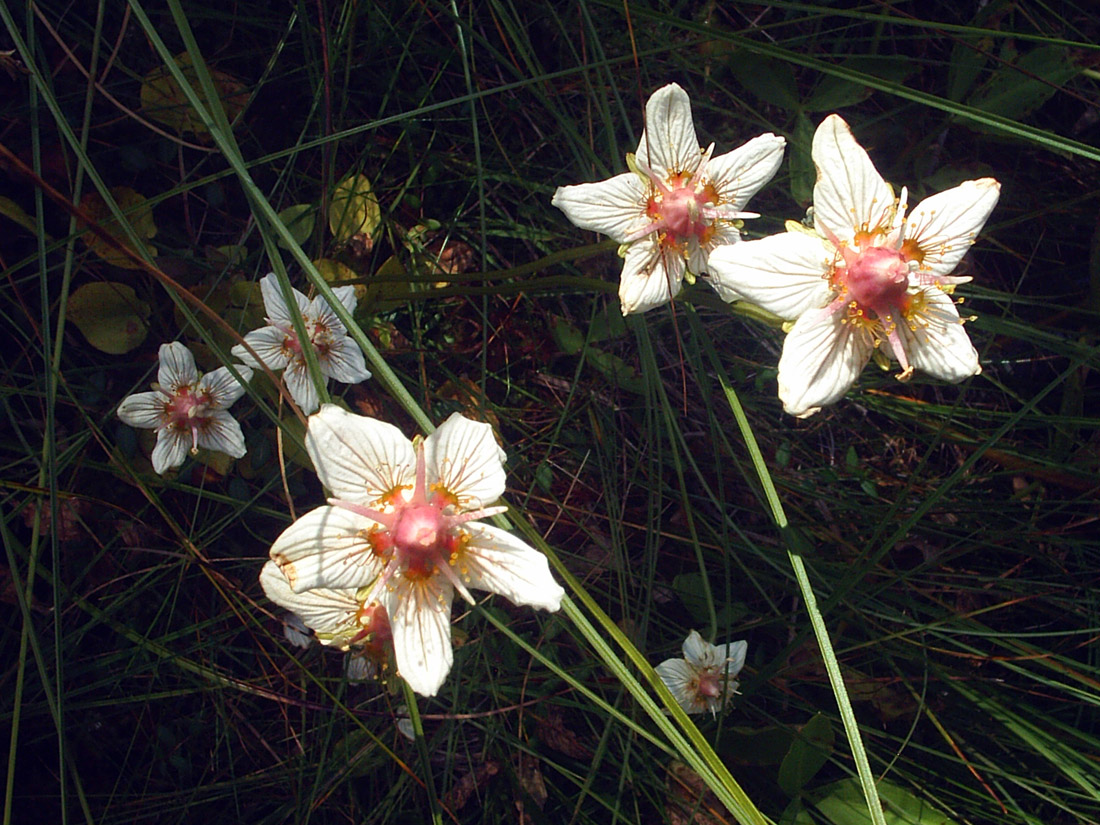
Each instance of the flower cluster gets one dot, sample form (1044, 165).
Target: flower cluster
(400, 535)
(188, 410)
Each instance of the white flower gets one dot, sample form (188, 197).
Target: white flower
(402, 531)
(870, 277)
(296, 631)
(277, 345)
(704, 679)
(187, 410)
(676, 205)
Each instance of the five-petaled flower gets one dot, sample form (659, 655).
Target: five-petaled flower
(188, 410)
(677, 203)
(870, 277)
(402, 531)
(704, 679)
(277, 344)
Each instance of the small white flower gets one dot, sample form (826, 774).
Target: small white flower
(704, 679)
(335, 615)
(869, 278)
(402, 531)
(278, 347)
(296, 631)
(675, 205)
(188, 410)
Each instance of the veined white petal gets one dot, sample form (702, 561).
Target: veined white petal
(497, 561)
(220, 431)
(668, 143)
(850, 194)
(697, 650)
(223, 388)
(327, 611)
(463, 457)
(681, 680)
(724, 234)
(731, 658)
(420, 618)
(270, 343)
(614, 207)
(346, 296)
(359, 459)
(274, 305)
(322, 320)
(786, 273)
(738, 175)
(300, 385)
(822, 358)
(171, 449)
(345, 362)
(177, 367)
(327, 547)
(651, 276)
(945, 225)
(144, 410)
(939, 345)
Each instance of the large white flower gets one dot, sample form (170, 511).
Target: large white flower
(869, 277)
(401, 531)
(704, 679)
(188, 410)
(278, 347)
(675, 205)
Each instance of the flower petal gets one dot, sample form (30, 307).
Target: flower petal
(420, 617)
(300, 385)
(680, 678)
(738, 175)
(223, 388)
(668, 144)
(177, 367)
(359, 459)
(345, 362)
(497, 561)
(275, 306)
(171, 449)
(322, 320)
(850, 194)
(144, 409)
(270, 343)
(220, 431)
(327, 547)
(466, 460)
(651, 277)
(731, 658)
(822, 358)
(786, 273)
(945, 225)
(698, 651)
(940, 346)
(346, 296)
(323, 610)
(613, 207)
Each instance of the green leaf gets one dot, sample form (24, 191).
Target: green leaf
(770, 81)
(570, 340)
(842, 803)
(759, 746)
(1017, 90)
(12, 210)
(808, 753)
(110, 315)
(299, 220)
(803, 171)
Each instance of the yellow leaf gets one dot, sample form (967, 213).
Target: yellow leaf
(110, 315)
(163, 100)
(354, 209)
(139, 216)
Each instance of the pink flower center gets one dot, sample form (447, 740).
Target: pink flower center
(710, 683)
(417, 539)
(876, 278)
(187, 410)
